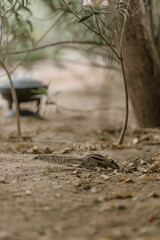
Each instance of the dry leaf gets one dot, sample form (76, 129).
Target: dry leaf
(122, 195)
(118, 146)
(141, 169)
(156, 158)
(75, 172)
(129, 180)
(34, 150)
(123, 179)
(107, 206)
(154, 168)
(20, 146)
(145, 177)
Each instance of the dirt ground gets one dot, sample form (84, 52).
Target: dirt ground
(51, 201)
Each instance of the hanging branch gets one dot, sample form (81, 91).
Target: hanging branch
(54, 45)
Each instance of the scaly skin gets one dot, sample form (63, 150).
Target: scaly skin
(90, 161)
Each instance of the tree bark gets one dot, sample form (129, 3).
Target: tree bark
(142, 66)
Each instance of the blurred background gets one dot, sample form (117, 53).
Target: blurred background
(84, 78)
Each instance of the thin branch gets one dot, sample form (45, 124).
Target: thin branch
(122, 36)
(76, 15)
(138, 10)
(120, 140)
(98, 26)
(10, 8)
(123, 30)
(4, 57)
(53, 45)
(14, 96)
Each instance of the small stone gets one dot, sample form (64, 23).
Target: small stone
(46, 208)
(135, 141)
(93, 190)
(28, 192)
(58, 195)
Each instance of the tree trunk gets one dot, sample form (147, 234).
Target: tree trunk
(142, 67)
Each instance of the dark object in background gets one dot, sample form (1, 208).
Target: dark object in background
(27, 91)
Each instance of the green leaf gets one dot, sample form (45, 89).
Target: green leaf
(116, 21)
(84, 18)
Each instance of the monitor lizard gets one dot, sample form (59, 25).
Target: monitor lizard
(90, 161)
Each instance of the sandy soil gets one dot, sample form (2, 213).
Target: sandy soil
(47, 201)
